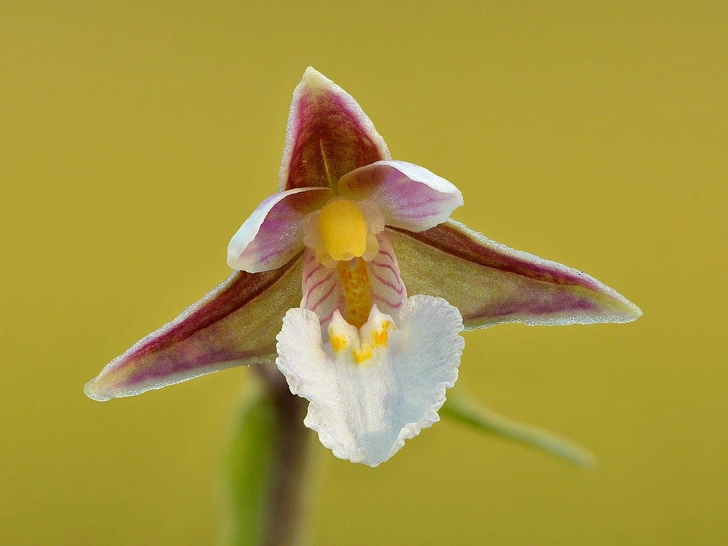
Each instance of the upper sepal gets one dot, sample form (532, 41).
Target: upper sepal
(491, 283)
(328, 135)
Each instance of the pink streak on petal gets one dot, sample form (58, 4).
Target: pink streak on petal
(398, 289)
(321, 298)
(318, 283)
(385, 284)
(320, 287)
(390, 267)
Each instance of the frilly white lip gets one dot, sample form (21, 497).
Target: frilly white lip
(369, 394)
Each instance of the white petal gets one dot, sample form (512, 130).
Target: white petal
(365, 411)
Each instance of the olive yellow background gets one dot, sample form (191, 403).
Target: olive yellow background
(135, 138)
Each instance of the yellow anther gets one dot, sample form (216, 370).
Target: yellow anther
(343, 229)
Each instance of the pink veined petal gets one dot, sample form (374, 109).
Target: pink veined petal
(328, 135)
(387, 290)
(271, 236)
(491, 283)
(235, 324)
(321, 287)
(408, 196)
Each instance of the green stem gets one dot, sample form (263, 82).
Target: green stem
(462, 408)
(271, 468)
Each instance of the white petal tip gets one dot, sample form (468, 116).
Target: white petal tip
(233, 260)
(90, 389)
(312, 78)
(633, 312)
(620, 310)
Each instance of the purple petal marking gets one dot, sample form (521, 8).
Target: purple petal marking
(383, 302)
(235, 324)
(321, 298)
(387, 290)
(389, 284)
(339, 305)
(491, 283)
(328, 135)
(323, 294)
(318, 296)
(321, 280)
(390, 267)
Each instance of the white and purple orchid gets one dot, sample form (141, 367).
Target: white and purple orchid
(354, 280)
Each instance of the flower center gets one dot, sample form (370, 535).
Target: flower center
(343, 235)
(354, 279)
(343, 229)
(359, 344)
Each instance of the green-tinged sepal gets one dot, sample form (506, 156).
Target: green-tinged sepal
(462, 408)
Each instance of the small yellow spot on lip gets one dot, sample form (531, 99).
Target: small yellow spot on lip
(380, 337)
(343, 229)
(362, 346)
(338, 342)
(363, 354)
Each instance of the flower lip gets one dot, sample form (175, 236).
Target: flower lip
(358, 404)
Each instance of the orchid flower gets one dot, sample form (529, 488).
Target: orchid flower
(356, 282)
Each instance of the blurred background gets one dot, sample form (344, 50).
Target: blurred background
(135, 138)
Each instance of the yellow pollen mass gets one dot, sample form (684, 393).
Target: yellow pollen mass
(343, 229)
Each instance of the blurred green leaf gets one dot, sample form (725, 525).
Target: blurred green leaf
(271, 469)
(460, 407)
(249, 464)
